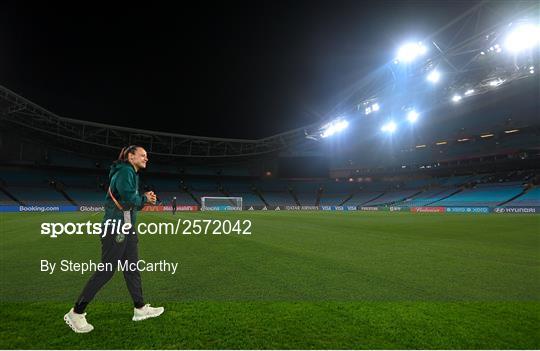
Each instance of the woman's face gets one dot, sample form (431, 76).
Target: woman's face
(139, 158)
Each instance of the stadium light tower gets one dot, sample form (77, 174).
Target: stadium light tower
(389, 127)
(410, 51)
(524, 37)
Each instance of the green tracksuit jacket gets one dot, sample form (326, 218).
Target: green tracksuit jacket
(124, 183)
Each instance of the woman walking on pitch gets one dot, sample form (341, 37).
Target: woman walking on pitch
(121, 204)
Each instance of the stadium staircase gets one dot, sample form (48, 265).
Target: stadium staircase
(59, 187)
(186, 189)
(347, 199)
(441, 192)
(526, 190)
(403, 198)
(373, 199)
(8, 194)
(67, 197)
(260, 195)
(419, 194)
(446, 197)
(319, 193)
(226, 194)
(291, 191)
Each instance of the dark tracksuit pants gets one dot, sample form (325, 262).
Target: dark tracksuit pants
(113, 251)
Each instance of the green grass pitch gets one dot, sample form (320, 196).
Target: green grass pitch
(302, 280)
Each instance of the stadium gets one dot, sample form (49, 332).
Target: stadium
(406, 217)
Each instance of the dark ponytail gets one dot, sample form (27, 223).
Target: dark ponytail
(123, 156)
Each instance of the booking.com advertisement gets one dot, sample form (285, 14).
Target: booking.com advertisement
(333, 175)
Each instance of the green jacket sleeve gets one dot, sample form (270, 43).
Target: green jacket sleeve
(126, 185)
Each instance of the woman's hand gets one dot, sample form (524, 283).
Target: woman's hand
(151, 197)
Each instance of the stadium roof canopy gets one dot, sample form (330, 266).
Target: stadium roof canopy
(23, 113)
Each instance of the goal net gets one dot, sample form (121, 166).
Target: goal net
(209, 203)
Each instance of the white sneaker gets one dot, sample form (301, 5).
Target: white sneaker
(78, 322)
(146, 312)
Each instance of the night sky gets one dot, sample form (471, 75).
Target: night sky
(236, 69)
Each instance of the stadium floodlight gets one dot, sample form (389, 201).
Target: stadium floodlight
(368, 110)
(497, 48)
(434, 76)
(456, 98)
(389, 127)
(525, 36)
(412, 116)
(410, 51)
(372, 108)
(469, 92)
(496, 82)
(333, 127)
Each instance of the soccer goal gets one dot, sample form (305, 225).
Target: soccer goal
(211, 203)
